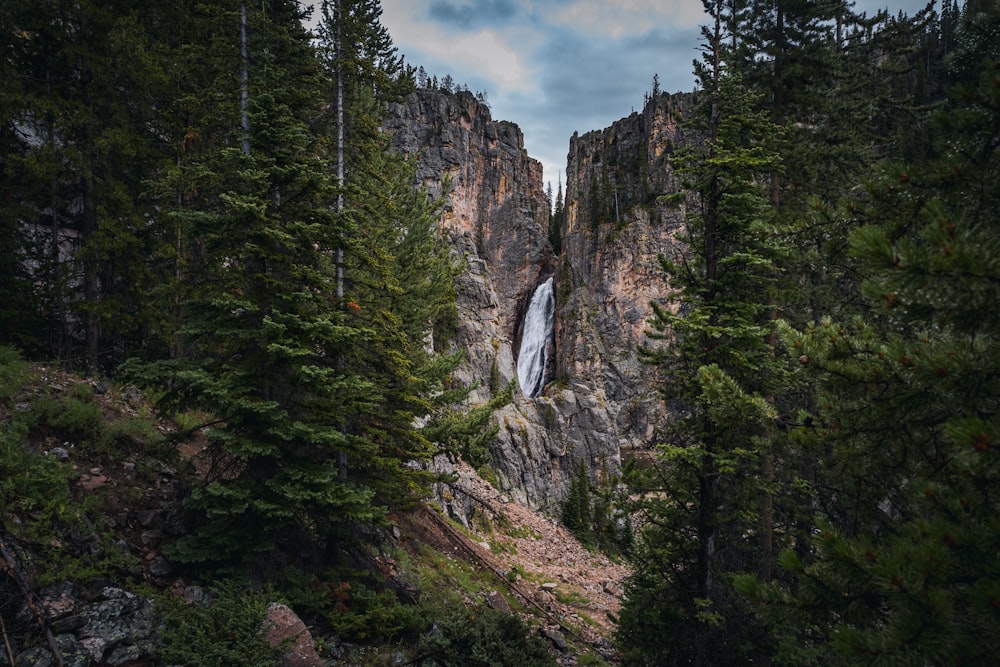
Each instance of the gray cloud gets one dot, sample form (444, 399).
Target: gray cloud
(482, 13)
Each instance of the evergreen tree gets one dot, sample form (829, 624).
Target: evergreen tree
(83, 83)
(556, 221)
(698, 503)
(577, 507)
(395, 275)
(904, 568)
(19, 317)
(260, 335)
(307, 297)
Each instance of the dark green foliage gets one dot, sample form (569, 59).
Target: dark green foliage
(576, 509)
(14, 372)
(297, 306)
(462, 638)
(225, 632)
(67, 418)
(904, 568)
(262, 339)
(31, 485)
(467, 433)
(596, 512)
(705, 502)
(557, 219)
(80, 80)
(38, 507)
(360, 614)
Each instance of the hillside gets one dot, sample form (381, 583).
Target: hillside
(92, 501)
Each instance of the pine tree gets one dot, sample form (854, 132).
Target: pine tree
(260, 337)
(84, 82)
(904, 568)
(697, 503)
(577, 509)
(556, 220)
(396, 276)
(311, 285)
(19, 318)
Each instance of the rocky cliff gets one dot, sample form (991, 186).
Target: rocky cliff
(598, 398)
(621, 216)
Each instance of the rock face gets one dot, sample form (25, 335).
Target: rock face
(623, 211)
(598, 397)
(115, 628)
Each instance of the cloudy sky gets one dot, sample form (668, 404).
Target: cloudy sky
(556, 67)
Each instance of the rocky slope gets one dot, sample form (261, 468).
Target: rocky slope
(599, 397)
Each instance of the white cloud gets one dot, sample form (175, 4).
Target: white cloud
(491, 55)
(620, 18)
(499, 56)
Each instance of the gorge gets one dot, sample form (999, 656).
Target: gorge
(598, 402)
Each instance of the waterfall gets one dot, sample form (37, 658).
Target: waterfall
(534, 353)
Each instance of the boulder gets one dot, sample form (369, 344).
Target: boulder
(281, 625)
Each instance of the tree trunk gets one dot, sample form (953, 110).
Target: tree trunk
(244, 82)
(342, 462)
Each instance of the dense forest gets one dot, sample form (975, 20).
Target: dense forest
(197, 198)
(826, 492)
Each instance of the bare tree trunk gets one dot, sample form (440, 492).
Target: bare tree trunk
(340, 152)
(339, 252)
(244, 82)
(91, 285)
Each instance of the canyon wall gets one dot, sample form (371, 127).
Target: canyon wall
(599, 399)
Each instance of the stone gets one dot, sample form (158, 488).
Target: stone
(90, 481)
(555, 637)
(73, 653)
(611, 588)
(118, 626)
(58, 600)
(494, 600)
(195, 595)
(147, 517)
(281, 624)
(132, 396)
(160, 567)
(151, 538)
(60, 453)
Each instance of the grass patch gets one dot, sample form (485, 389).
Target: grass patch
(570, 597)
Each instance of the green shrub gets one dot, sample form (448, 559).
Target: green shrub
(14, 372)
(135, 431)
(225, 633)
(33, 488)
(371, 617)
(37, 506)
(66, 419)
(482, 638)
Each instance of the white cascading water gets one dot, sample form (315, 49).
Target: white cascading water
(534, 353)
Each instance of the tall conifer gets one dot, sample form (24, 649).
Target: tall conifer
(259, 335)
(904, 568)
(698, 501)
